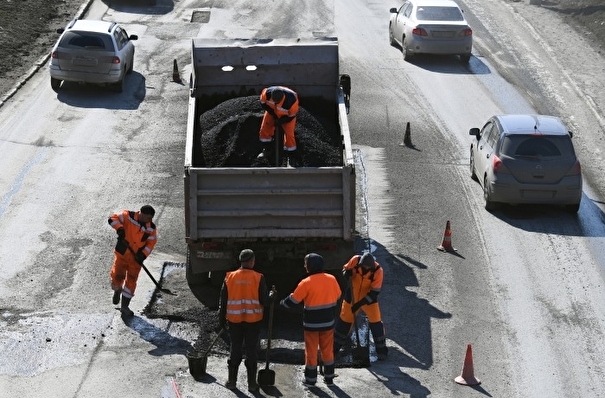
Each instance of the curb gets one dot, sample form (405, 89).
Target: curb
(40, 63)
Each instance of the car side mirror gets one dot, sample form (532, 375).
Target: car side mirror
(393, 10)
(133, 37)
(570, 134)
(475, 131)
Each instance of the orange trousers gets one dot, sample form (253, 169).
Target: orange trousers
(267, 129)
(323, 339)
(124, 273)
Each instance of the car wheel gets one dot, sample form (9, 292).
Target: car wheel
(130, 68)
(465, 58)
(489, 205)
(472, 167)
(391, 38)
(55, 84)
(573, 209)
(119, 86)
(407, 56)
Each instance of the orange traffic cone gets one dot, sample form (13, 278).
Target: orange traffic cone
(407, 139)
(446, 244)
(175, 73)
(467, 377)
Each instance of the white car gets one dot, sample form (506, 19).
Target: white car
(91, 51)
(431, 27)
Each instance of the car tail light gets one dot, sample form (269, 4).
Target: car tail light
(419, 32)
(54, 54)
(115, 60)
(466, 32)
(498, 166)
(575, 169)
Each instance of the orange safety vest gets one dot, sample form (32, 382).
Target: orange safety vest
(243, 301)
(288, 106)
(139, 236)
(364, 283)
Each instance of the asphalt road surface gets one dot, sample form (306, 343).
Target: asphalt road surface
(524, 288)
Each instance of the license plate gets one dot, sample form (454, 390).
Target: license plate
(443, 34)
(221, 255)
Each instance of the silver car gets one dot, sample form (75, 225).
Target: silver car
(431, 27)
(526, 159)
(91, 51)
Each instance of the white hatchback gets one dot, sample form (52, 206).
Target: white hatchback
(431, 27)
(91, 51)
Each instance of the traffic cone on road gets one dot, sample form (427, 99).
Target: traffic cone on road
(446, 244)
(467, 377)
(176, 77)
(407, 139)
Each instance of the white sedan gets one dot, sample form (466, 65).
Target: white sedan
(431, 27)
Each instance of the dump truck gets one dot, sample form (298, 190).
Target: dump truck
(280, 212)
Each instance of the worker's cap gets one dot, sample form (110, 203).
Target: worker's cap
(147, 209)
(246, 255)
(367, 261)
(277, 94)
(315, 262)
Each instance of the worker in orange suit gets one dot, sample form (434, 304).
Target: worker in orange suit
(281, 106)
(365, 276)
(137, 236)
(242, 300)
(319, 292)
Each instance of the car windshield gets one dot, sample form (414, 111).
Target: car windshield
(435, 13)
(537, 146)
(87, 40)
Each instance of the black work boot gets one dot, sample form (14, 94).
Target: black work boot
(268, 152)
(251, 369)
(127, 312)
(116, 296)
(294, 158)
(232, 380)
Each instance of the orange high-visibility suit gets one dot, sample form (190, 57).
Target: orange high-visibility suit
(319, 292)
(142, 239)
(282, 113)
(366, 284)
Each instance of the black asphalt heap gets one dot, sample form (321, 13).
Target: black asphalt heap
(229, 136)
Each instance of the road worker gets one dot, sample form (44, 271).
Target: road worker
(241, 306)
(281, 106)
(365, 276)
(137, 236)
(319, 292)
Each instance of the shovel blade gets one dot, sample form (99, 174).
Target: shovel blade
(266, 377)
(361, 357)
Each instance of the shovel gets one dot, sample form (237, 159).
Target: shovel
(361, 355)
(197, 363)
(266, 377)
(151, 276)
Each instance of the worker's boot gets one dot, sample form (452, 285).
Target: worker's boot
(232, 380)
(294, 158)
(116, 296)
(126, 312)
(251, 369)
(268, 153)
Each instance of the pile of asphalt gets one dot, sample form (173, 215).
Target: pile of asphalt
(228, 135)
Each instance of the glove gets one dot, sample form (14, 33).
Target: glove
(121, 233)
(355, 307)
(284, 119)
(140, 257)
(272, 293)
(347, 273)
